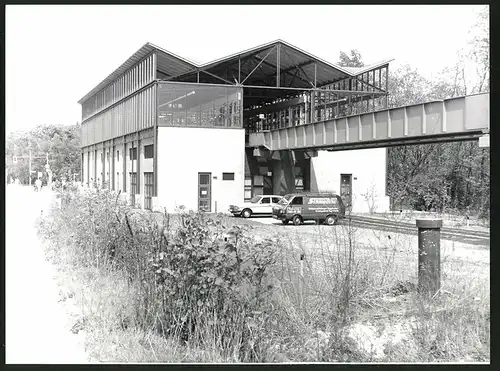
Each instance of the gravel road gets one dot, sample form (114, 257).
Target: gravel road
(37, 326)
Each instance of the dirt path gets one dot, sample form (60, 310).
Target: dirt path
(37, 326)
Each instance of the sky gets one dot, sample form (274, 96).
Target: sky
(55, 54)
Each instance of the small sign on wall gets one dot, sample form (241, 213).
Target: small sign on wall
(203, 193)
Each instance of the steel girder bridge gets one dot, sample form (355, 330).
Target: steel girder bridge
(462, 118)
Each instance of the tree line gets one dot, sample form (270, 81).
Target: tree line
(443, 176)
(60, 142)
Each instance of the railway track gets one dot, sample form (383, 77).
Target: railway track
(463, 235)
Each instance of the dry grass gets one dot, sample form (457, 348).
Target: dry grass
(346, 278)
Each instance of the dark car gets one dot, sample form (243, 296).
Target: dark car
(325, 208)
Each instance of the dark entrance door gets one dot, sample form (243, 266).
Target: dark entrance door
(346, 189)
(204, 192)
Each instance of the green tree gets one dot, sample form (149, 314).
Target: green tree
(62, 143)
(350, 61)
(446, 175)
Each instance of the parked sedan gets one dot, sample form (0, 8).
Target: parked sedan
(258, 205)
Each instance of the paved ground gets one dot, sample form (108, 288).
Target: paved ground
(310, 236)
(37, 327)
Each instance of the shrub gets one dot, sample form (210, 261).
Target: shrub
(200, 281)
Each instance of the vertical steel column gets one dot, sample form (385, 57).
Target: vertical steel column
(103, 166)
(138, 176)
(95, 163)
(124, 157)
(113, 164)
(278, 55)
(429, 270)
(81, 171)
(313, 107)
(315, 68)
(338, 104)
(239, 69)
(307, 108)
(88, 167)
(155, 143)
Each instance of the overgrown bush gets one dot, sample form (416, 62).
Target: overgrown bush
(200, 281)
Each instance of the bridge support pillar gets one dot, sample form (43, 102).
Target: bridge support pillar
(284, 173)
(429, 261)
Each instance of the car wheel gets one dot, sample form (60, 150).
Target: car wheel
(331, 220)
(247, 213)
(297, 220)
(285, 222)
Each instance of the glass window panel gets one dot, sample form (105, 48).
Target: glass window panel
(248, 181)
(204, 179)
(248, 194)
(148, 151)
(198, 105)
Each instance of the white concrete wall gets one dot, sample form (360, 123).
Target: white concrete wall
(184, 152)
(368, 169)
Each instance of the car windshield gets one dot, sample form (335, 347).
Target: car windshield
(285, 200)
(255, 199)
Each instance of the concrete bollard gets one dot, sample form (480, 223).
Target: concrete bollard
(429, 264)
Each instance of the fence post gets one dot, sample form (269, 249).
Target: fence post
(429, 264)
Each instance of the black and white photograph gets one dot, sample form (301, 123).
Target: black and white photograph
(247, 184)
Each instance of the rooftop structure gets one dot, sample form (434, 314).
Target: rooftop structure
(144, 126)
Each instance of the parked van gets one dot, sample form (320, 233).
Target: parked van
(325, 208)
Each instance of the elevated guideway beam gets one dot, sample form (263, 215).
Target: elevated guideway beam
(462, 118)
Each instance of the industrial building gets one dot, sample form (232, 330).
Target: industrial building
(168, 132)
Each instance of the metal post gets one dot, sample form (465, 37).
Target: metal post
(124, 157)
(429, 271)
(315, 69)
(138, 176)
(113, 180)
(313, 106)
(278, 55)
(239, 70)
(29, 177)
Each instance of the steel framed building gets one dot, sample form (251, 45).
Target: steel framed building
(166, 131)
